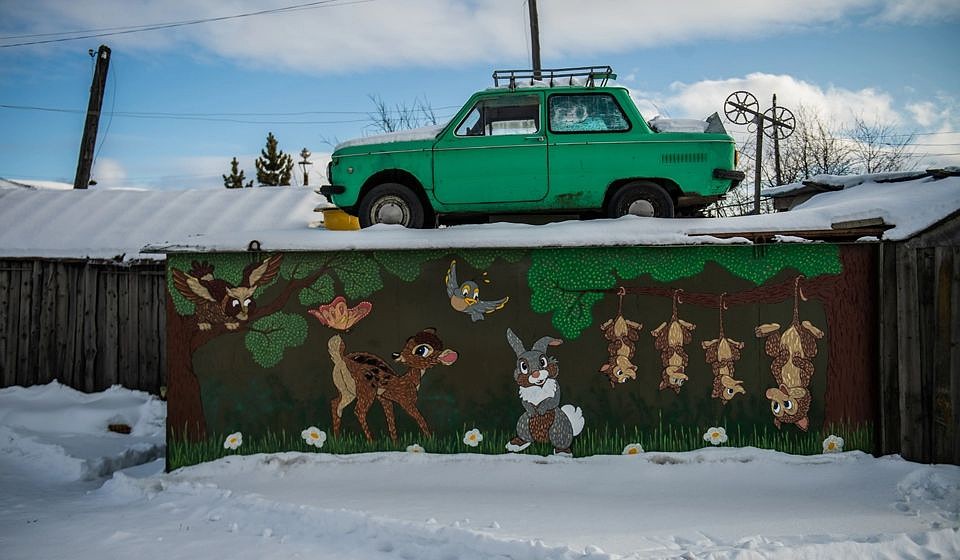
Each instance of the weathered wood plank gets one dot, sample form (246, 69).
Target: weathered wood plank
(68, 368)
(131, 344)
(110, 348)
(90, 327)
(912, 434)
(47, 359)
(942, 436)
(926, 280)
(889, 428)
(954, 363)
(36, 290)
(123, 325)
(62, 318)
(7, 373)
(23, 326)
(149, 338)
(161, 297)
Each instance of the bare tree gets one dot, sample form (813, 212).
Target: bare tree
(402, 116)
(818, 147)
(815, 147)
(878, 148)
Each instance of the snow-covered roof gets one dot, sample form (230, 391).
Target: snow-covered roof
(906, 207)
(117, 224)
(138, 224)
(34, 184)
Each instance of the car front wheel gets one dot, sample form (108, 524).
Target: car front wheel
(641, 198)
(391, 203)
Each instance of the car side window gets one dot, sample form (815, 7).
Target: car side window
(592, 112)
(496, 116)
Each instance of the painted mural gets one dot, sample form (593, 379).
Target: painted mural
(458, 351)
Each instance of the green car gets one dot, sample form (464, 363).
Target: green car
(564, 143)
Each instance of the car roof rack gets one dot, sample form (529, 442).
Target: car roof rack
(595, 76)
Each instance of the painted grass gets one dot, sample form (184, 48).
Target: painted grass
(604, 441)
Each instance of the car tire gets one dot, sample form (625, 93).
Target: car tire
(391, 203)
(641, 198)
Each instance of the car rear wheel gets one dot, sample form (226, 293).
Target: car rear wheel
(391, 203)
(641, 198)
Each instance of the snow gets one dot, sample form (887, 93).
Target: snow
(34, 184)
(711, 503)
(116, 224)
(129, 225)
(909, 206)
(660, 124)
(424, 133)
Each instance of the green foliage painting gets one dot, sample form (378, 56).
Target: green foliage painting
(568, 282)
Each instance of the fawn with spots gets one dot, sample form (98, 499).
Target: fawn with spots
(364, 377)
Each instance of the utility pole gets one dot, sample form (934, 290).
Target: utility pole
(89, 141)
(534, 38)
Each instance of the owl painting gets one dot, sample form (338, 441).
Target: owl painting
(217, 301)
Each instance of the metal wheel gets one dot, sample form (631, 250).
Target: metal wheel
(641, 198)
(738, 105)
(779, 123)
(391, 203)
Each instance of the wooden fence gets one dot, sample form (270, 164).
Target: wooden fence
(920, 350)
(89, 325)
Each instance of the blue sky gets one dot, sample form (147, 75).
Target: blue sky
(886, 60)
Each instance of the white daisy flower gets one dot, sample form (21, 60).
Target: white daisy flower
(833, 444)
(233, 441)
(314, 436)
(633, 449)
(715, 435)
(473, 437)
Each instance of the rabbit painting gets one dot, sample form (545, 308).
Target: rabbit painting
(543, 419)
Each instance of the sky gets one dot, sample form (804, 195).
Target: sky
(181, 101)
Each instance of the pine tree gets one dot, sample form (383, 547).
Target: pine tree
(273, 166)
(235, 179)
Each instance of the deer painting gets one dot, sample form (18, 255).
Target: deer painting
(364, 377)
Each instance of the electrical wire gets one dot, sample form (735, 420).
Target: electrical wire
(107, 32)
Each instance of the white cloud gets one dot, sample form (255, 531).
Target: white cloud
(834, 104)
(918, 11)
(421, 32)
(110, 174)
(935, 119)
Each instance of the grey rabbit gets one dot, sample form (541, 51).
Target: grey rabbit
(543, 420)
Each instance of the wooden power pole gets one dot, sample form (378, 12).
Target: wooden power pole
(89, 141)
(534, 38)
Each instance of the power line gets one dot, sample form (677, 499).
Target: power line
(215, 117)
(108, 31)
(177, 114)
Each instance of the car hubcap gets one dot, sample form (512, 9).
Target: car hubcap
(390, 210)
(642, 208)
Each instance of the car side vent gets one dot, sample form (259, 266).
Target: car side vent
(684, 158)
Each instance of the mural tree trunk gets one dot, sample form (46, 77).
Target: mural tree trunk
(848, 301)
(184, 337)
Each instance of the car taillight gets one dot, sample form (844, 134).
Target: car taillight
(736, 158)
(330, 172)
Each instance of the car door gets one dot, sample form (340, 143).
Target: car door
(588, 144)
(497, 153)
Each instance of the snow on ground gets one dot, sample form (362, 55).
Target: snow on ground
(711, 503)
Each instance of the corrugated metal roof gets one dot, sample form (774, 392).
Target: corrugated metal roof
(117, 224)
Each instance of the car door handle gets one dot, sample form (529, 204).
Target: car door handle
(537, 138)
